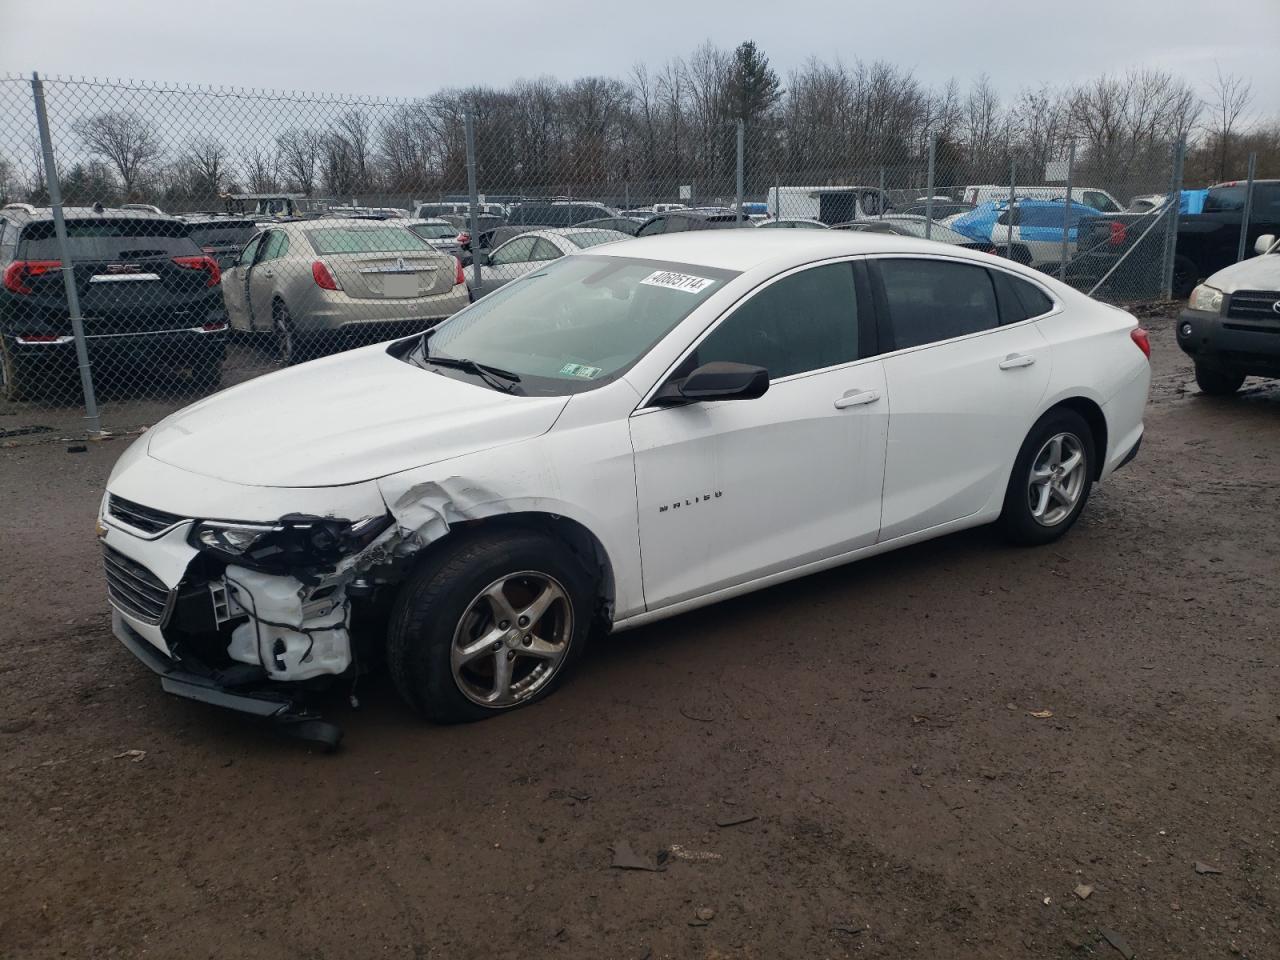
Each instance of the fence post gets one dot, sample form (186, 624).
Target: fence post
(1175, 208)
(882, 203)
(54, 186)
(928, 200)
(1248, 208)
(474, 197)
(777, 195)
(741, 145)
(1066, 211)
(1013, 189)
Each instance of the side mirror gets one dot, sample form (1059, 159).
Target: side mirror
(720, 380)
(1264, 243)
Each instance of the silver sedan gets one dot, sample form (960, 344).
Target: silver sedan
(513, 259)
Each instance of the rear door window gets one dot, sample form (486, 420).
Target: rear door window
(544, 250)
(934, 300)
(519, 250)
(1018, 299)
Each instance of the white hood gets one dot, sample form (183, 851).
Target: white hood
(344, 419)
(1256, 273)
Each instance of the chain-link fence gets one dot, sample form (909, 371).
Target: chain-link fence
(205, 236)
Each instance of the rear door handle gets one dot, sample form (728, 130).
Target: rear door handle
(856, 398)
(1015, 360)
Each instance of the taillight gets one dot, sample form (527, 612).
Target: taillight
(458, 275)
(463, 238)
(205, 263)
(323, 278)
(213, 327)
(1118, 233)
(19, 272)
(1139, 336)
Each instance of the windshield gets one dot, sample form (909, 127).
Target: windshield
(435, 231)
(110, 239)
(363, 240)
(574, 323)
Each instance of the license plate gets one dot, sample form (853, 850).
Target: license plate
(400, 285)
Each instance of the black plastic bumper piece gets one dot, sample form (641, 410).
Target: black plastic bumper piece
(194, 686)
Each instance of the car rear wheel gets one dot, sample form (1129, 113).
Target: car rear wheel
(1185, 275)
(489, 624)
(1051, 479)
(285, 336)
(12, 383)
(1217, 383)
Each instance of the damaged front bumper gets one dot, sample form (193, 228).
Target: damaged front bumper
(232, 690)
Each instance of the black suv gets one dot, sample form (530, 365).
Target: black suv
(220, 236)
(150, 297)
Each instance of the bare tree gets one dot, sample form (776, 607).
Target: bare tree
(1231, 97)
(261, 170)
(206, 160)
(124, 139)
(299, 152)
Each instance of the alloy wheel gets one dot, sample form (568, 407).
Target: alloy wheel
(1057, 479)
(511, 639)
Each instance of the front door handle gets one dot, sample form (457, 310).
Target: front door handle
(1015, 360)
(856, 398)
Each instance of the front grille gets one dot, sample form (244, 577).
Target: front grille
(1258, 306)
(135, 589)
(139, 517)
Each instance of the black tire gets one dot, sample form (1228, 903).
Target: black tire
(432, 604)
(1185, 276)
(1017, 520)
(1217, 383)
(13, 380)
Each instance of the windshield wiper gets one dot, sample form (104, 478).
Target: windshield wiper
(493, 376)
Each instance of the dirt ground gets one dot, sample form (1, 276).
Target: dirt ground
(876, 722)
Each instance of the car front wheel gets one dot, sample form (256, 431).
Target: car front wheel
(488, 624)
(1051, 479)
(1217, 383)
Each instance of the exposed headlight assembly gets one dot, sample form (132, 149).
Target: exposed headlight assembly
(1206, 298)
(293, 544)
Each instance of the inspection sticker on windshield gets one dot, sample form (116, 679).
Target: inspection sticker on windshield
(677, 281)
(580, 370)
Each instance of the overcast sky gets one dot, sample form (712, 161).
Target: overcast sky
(405, 48)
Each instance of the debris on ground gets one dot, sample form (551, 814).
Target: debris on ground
(693, 856)
(1042, 714)
(704, 913)
(690, 716)
(625, 858)
(1202, 867)
(77, 448)
(575, 795)
(1083, 891)
(134, 755)
(734, 821)
(1118, 942)
(847, 927)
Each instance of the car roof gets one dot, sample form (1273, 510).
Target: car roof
(744, 250)
(418, 221)
(43, 213)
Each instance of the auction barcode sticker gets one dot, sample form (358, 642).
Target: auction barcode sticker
(677, 281)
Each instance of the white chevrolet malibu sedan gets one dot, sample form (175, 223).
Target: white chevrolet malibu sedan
(620, 436)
